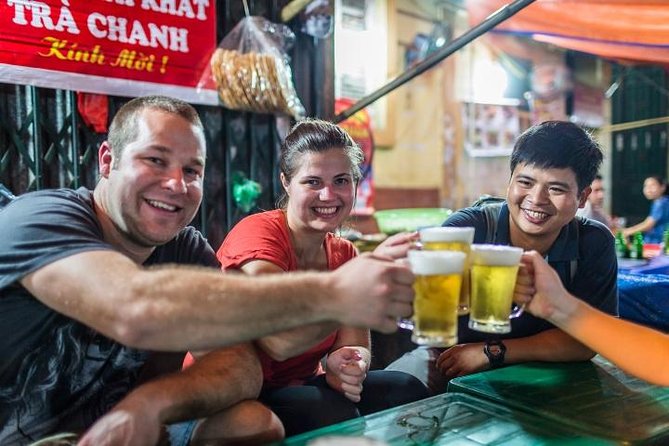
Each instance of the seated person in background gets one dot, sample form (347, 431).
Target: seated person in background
(92, 281)
(638, 350)
(320, 169)
(594, 206)
(654, 188)
(552, 166)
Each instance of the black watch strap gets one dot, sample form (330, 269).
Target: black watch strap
(495, 350)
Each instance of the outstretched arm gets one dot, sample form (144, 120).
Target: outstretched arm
(644, 226)
(290, 343)
(140, 307)
(638, 350)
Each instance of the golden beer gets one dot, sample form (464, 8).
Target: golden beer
(493, 279)
(448, 238)
(437, 289)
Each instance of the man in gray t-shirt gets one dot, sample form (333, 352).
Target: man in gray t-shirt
(92, 281)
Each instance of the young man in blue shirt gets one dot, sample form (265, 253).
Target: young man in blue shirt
(552, 167)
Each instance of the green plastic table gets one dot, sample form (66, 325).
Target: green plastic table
(593, 397)
(449, 419)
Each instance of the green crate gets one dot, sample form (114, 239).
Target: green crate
(449, 419)
(594, 397)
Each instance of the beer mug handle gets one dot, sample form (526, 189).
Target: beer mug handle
(517, 311)
(407, 324)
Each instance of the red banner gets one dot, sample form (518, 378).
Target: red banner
(359, 127)
(119, 47)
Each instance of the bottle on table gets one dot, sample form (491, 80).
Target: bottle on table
(622, 251)
(636, 250)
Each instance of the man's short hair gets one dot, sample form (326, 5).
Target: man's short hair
(123, 128)
(559, 145)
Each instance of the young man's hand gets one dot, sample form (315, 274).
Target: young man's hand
(462, 359)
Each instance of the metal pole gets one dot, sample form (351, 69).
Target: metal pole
(490, 22)
(71, 99)
(36, 137)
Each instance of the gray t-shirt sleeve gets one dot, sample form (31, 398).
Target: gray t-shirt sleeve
(189, 247)
(42, 227)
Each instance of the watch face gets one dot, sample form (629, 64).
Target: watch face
(495, 350)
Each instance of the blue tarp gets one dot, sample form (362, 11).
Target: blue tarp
(644, 298)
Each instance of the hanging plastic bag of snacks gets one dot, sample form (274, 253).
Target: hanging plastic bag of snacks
(251, 70)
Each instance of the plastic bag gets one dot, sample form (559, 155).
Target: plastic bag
(94, 109)
(251, 71)
(245, 192)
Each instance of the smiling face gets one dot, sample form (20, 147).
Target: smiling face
(321, 192)
(541, 202)
(155, 188)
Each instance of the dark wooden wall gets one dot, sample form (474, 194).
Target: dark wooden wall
(638, 152)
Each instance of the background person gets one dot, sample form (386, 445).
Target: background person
(552, 167)
(90, 283)
(654, 189)
(638, 350)
(320, 170)
(594, 206)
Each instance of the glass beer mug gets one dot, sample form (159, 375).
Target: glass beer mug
(437, 293)
(451, 239)
(493, 278)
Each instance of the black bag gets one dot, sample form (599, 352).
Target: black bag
(491, 207)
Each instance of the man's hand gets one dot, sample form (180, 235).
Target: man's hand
(372, 292)
(345, 371)
(462, 359)
(123, 427)
(396, 246)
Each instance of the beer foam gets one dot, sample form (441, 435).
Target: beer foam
(430, 263)
(499, 255)
(446, 234)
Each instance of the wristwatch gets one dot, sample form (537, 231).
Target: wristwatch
(495, 351)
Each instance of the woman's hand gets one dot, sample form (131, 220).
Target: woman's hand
(396, 246)
(539, 289)
(345, 371)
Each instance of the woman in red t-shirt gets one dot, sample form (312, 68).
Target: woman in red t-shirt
(320, 169)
